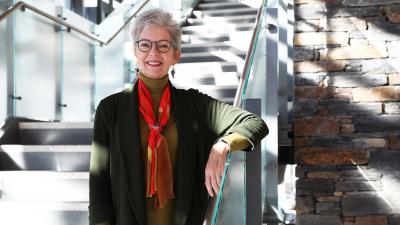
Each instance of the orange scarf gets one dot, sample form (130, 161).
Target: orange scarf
(159, 181)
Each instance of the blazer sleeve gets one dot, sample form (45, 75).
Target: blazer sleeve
(100, 200)
(224, 119)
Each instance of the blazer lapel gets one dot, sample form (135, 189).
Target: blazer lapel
(185, 167)
(128, 122)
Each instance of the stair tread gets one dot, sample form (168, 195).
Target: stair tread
(9, 205)
(35, 175)
(220, 0)
(233, 11)
(229, 3)
(44, 148)
(212, 87)
(205, 64)
(223, 18)
(211, 53)
(210, 44)
(191, 75)
(218, 34)
(56, 125)
(217, 26)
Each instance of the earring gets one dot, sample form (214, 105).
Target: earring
(173, 72)
(137, 71)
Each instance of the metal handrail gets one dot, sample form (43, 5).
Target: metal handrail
(250, 53)
(22, 6)
(215, 201)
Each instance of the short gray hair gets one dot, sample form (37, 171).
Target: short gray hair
(161, 18)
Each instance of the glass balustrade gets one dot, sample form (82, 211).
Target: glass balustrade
(52, 72)
(76, 72)
(230, 204)
(37, 61)
(186, 7)
(3, 67)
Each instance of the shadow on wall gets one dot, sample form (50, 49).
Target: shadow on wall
(347, 110)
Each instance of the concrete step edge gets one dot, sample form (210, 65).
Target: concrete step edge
(44, 148)
(202, 75)
(213, 87)
(209, 44)
(37, 175)
(218, 35)
(218, 11)
(210, 53)
(219, 26)
(227, 3)
(223, 18)
(56, 125)
(6, 205)
(200, 64)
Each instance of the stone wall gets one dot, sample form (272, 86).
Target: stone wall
(347, 112)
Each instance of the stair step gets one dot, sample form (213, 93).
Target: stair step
(228, 78)
(43, 206)
(216, 91)
(224, 12)
(213, 56)
(205, 68)
(45, 157)
(40, 213)
(222, 5)
(55, 125)
(219, 1)
(233, 19)
(55, 133)
(217, 28)
(213, 46)
(237, 36)
(44, 186)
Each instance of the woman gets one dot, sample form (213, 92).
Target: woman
(158, 151)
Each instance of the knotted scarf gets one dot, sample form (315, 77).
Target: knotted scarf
(159, 180)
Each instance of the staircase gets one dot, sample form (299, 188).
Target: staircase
(44, 165)
(44, 175)
(214, 45)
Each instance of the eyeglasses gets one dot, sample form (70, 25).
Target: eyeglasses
(145, 45)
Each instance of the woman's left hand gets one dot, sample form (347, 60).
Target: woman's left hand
(215, 167)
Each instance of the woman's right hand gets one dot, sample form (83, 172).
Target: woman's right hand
(215, 167)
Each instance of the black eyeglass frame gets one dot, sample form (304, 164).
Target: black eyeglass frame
(156, 44)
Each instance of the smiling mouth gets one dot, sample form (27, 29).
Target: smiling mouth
(153, 63)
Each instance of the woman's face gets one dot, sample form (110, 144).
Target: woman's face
(155, 64)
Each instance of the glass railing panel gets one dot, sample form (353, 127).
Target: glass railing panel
(110, 65)
(50, 75)
(4, 5)
(77, 72)
(3, 69)
(114, 62)
(187, 4)
(187, 7)
(37, 59)
(113, 22)
(232, 207)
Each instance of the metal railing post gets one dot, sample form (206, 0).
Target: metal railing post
(271, 210)
(11, 91)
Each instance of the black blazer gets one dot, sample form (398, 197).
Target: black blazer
(117, 185)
